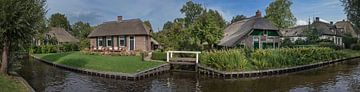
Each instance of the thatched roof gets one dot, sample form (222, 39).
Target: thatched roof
(124, 27)
(347, 27)
(236, 31)
(321, 27)
(326, 28)
(154, 41)
(298, 31)
(61, 35)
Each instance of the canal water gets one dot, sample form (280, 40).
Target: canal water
(334, 78)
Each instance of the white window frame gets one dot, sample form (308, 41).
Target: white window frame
(98, 41)
(122, 38)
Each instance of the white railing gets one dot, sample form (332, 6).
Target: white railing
(169, 54)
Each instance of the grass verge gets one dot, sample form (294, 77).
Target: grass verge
(123, 64)
(10, 84)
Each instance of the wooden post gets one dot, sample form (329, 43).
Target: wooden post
(167, 56)
(171, 54)
(197, 58)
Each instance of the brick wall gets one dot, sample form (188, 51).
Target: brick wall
(93, 42)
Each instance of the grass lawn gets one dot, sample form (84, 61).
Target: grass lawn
(8, 84)
(124, 64)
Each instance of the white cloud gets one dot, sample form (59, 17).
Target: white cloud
(301, 22)
(323, 20)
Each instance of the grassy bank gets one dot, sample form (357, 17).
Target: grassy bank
(262, 59)
(8, 84)
(124, 64)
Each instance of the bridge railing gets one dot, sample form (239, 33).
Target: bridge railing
(169, 54)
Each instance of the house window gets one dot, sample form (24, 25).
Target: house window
(122, 41)
(109, 41)
(256, 42)
(100, 41)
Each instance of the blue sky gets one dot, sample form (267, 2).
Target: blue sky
(159, 11)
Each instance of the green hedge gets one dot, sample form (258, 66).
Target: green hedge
(53, 48)
(355, 46)
(158, 56)
(285, 57)
(242, 60)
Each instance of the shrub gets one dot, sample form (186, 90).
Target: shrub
(228, 60)
(158, 55)
(53, 48)
(328, 44)
(293, 56)
(238, 60)
(69, 47)
(355, 46)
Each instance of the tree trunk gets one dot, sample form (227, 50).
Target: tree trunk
(4, 61)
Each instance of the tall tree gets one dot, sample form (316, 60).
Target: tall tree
(81, 30)
(192, 11)
(208, 28)
(19, 21)
(279, 13)
(238, 18)
(59, 20)
(352, 10)
(167, 25)
(312, 35)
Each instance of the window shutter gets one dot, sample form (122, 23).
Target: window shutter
(125, 40)
(104, 42)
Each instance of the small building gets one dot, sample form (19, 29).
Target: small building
(122, 35)
(295, 33)
(60, 35)
(347, 27)
(326, 31)
(254, 32)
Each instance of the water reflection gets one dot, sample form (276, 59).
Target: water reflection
(337, 78)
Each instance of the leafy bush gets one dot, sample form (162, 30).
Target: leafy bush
(355, 46)
(69, 47)
(158, 55)
(84, 43)
(43, 49)
(292, 56)
(238, 60)
(53, 48)
(300, 42)
(328, 44)
(229, 60)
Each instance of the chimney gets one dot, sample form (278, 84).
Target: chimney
(317, 18)
(119, 18)
(258, 13)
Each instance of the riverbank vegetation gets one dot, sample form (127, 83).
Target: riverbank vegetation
(43, 49)
(260, 59)
(9, 84)
(123, 64)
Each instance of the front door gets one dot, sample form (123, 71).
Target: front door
(132, 43)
